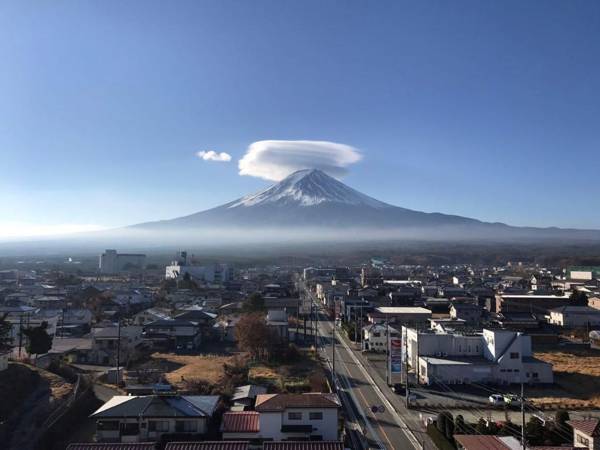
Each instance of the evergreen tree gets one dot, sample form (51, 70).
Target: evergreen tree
(39, 341)
(5, 334)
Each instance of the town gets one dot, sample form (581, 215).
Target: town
(196, 355)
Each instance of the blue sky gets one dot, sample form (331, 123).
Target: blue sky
(484, 109)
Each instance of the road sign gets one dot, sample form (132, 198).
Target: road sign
(374, 409)
(381, 408)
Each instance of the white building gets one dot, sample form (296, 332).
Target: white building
(375, 337)
(112, 262)
(493, 356)
(308, 416)
(214, 273)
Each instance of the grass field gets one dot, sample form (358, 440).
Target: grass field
(193, 367)
(305, 375)
(577, 376)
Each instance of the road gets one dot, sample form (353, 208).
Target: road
(384, 429)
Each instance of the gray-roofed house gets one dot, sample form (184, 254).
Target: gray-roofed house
(246, 395)
(146, 418)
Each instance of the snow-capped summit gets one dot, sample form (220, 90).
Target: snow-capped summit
(308, 187)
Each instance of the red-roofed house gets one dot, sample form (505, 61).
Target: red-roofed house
(242, 425)
(280, 417)
(208, 445)
(586, 433)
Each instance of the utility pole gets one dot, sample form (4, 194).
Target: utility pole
(333, 355)
(119, 352)
(387, 349)
(20, 334)
(405, 338)
(523, 443)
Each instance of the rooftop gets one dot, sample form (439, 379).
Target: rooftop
(241, 422)
(279, 402)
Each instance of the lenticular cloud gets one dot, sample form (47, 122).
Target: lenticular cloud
(274, 160)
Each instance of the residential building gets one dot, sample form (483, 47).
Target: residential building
(146, 418)
(586, 433)
(245, 396)
(105, 344)
(309, 416)
(575, 316)
(469, 312)
(492, 356)
(529, 303)
(176, 334)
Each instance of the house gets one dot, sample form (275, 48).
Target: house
(491, 356)
(241, 425)
(575, 316)
(177, 334)
(112, 446)
(375, 337)
(105, 344)
(277, 321)
(146, 418)
(529, 303)
(309, 416)
(486, 442)
(586, 433)
(246, 395)
(207, 445)
(303, 445)
(151, 315)
(594, 302)
(490, 442)
(469, 312)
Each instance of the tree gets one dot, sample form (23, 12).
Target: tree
(535, 431)
(449, 429)
(459, 425)
(561, 431)
(578, 298)
(253, 335)
(39, 341)
(254, 303)
(5, 334)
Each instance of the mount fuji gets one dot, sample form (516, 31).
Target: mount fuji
(312, 200)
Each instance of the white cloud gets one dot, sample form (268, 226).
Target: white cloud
(211, 155)
(274, 160)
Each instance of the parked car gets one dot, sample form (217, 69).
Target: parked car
(496, 399)
(512, 400)
(399, 389)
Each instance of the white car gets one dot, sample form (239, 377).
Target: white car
(496, 399)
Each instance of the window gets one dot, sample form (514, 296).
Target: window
(186, 426)
(294, 416)
(158, 425)
(108, 425)
(514, 355)
(315, 416)
(582, 440)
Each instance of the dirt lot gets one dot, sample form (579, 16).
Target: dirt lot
(305, 375)
(577, 376)
(192, 367)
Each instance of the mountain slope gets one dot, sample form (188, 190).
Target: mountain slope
(311, 199)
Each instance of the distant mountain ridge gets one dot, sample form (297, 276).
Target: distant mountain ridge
(312, 199)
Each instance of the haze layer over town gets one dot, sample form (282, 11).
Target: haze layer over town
(311, 225)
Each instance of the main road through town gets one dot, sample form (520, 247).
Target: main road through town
(381, 421)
